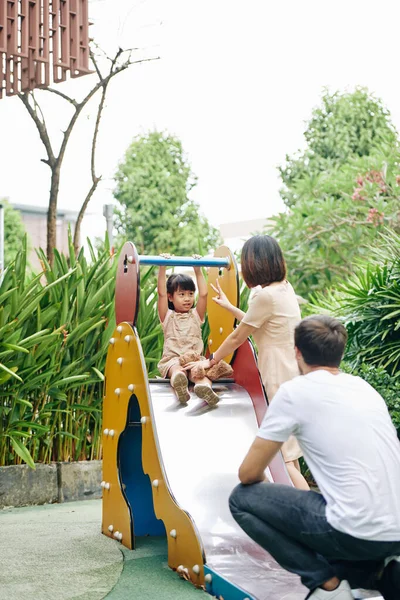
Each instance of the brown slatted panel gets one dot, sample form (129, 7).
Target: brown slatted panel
(12, 27)
(24, 28)
(79, 51)
(74, 37)
(34, 20)
(58, 73)
(65, 34)
(11, 77)
(83, 36)
(3, 44)
(36, 35)
(3, 26)
(44, 32)
(42, 73)
(2, 72)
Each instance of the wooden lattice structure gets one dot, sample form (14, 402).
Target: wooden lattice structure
(41, 41)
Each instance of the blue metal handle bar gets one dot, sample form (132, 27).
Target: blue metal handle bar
(183, 261)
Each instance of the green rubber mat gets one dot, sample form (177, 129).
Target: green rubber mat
(146, 575)
(56, 552)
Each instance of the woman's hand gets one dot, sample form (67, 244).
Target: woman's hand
(165, 255)
(221, 298)
(197, 363)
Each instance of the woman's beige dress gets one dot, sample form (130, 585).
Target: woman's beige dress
(275, 312)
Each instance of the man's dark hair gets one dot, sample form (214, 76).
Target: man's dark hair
(321, 340)
(179, 281)
(262, 261)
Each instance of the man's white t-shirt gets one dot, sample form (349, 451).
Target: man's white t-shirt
(351, 447)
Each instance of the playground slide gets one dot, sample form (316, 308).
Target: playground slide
(169, 469)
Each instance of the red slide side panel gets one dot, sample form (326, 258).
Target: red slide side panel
(247, 375)
(127, 286)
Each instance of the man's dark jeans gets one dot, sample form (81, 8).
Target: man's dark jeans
(291, 525)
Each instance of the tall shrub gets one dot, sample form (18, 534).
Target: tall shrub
(13, 231)
(54, 332)
(369, 304)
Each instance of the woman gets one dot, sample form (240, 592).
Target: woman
(272, 315)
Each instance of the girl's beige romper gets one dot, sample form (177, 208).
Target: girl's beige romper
(275, 312)
(182, 333)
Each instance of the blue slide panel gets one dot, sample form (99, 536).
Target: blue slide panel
(135, 484)
(222, 588)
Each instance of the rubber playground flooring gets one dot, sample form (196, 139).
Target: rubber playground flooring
(146, 575)
(56, 552)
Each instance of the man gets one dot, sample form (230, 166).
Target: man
(349, 535)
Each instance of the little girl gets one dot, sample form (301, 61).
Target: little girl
(182, 330)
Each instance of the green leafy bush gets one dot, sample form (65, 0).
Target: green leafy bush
(369, 305)
(54, 332)
(14, 231)
(148, 324)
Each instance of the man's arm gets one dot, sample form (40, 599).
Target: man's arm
(257, 460)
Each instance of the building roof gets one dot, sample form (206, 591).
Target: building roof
(242, 228)
(42, 210)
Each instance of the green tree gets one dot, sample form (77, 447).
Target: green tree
(153, 184)
(343, 127)
(13, 231)
(339, 198)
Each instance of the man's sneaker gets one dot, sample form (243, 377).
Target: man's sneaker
(342, 592)
(180, 384)
(389, 583)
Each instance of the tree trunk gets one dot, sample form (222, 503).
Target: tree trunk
(52, 214)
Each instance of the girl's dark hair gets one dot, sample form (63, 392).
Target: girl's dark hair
(178, 281)
(262, 261)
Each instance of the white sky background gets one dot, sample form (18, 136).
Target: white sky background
(236, 81)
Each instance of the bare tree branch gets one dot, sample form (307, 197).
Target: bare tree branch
(55, 162)
(96, 66)
(62, 95)
(41, 127)
(95, 179)
(38, 109)
(82, 213)
(81, 105)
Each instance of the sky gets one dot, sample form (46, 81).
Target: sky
(235, 81)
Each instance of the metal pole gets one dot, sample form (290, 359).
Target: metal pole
(1, 243)
(108, 212)
(183, 261)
